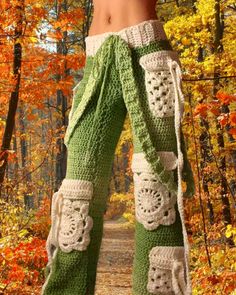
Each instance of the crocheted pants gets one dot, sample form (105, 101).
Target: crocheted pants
(133, 70)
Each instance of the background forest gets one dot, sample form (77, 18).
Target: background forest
(42, 54)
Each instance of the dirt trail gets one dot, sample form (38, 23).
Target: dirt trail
(115, 260)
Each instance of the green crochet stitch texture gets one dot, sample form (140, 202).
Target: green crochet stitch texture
(101, 102)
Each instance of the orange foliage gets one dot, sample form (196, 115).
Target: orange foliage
(42, 220)
(21, 267)
(203, 109)
(225, 98)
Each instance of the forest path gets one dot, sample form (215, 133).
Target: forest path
(115, 260)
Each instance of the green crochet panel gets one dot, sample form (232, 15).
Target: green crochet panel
(112, 85)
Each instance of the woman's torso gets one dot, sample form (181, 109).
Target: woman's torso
(114, 15)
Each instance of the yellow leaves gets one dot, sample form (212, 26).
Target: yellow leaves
(33, 39)
(22, 233)
(11, 220)
(38, 5)
(206, 8)
(189, 32)
(130, 217)
(219, 257)
(220, 278)
(121, 204)
(202, 37)
(126, 135)
(204, 20)
(40, 182)
(231, 232)
(19, 40)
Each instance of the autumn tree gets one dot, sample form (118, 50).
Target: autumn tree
(49, 39)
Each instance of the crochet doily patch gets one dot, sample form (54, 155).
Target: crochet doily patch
(71, 223)
(154, 204)
(75, 225)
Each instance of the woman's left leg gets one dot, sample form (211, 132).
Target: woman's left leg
(150, 76)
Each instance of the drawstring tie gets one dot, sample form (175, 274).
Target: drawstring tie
(179, 110)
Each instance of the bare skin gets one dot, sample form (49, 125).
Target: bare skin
(114, 15)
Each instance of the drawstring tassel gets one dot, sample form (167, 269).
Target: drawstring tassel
(179, 109)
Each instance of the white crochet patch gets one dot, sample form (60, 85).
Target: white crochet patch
(71, 223)
(75, 225)
(159, 82)
(154, 204)
(166, 273)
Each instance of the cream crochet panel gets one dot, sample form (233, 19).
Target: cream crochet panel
(71, 223)
(159, 80)
(154, 204)
(167, 272)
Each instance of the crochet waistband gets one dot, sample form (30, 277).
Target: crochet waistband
(137, 35)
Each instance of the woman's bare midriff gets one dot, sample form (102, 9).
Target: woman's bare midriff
(115, 15)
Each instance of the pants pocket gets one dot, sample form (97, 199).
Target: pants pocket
(160, 81)
(154, 204)
(71, 223)
(166, 273)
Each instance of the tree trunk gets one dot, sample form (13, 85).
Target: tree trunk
(88, 7)
(28, 198)
(10, 121)
(61, 156)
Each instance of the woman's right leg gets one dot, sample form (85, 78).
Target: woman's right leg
(78, 207)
